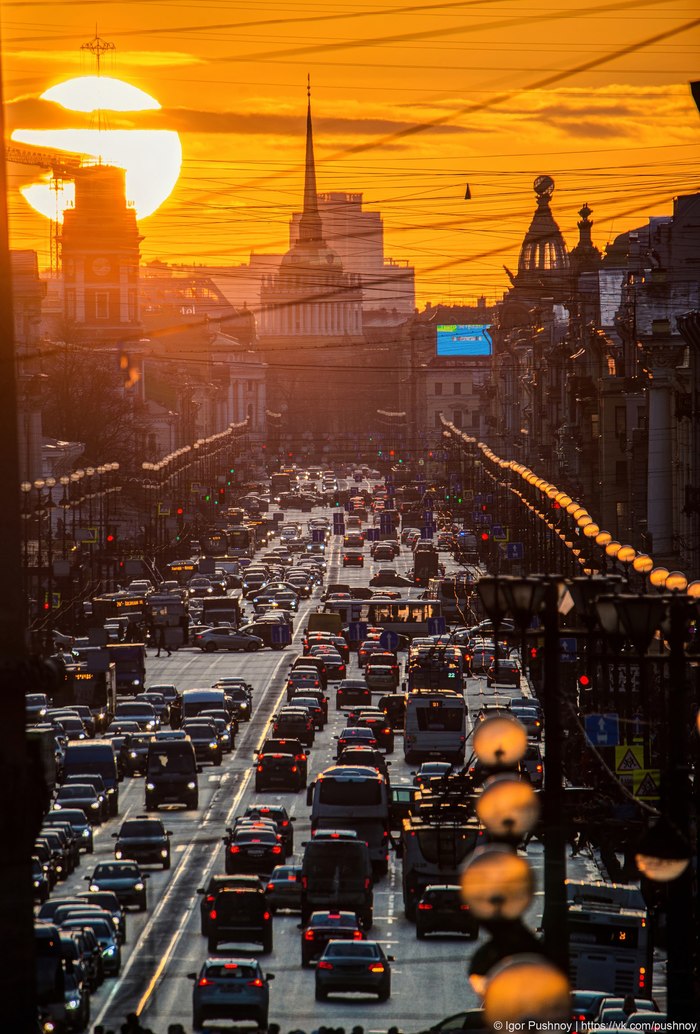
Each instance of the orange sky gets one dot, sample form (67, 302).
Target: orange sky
(490, 82)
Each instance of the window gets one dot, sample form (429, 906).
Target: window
(457, 418)
(476, 420)
(620, 421)
(438, 388)
(438, 421)
(70, 305)
(457, 388)
(101, 305)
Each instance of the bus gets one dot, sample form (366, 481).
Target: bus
(181, 571)
(435, 727)
(456, 595)
(610, 949)
(280, 483)
(354, 797)
(406, 616)
(241, 541)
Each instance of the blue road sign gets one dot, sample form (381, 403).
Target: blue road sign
(350, 506)
(386, 523)
(338, 523)
(372, 534)
(568, 649)
(427, 533)
(318, 535)
(280, 635)
(602, 730)
(389, 640)
(427, 516)
(357, 631)
(515, 551)
(436, 626)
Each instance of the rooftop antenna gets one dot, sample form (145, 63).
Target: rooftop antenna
(98, 47)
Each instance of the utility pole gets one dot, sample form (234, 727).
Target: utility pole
(17, 982)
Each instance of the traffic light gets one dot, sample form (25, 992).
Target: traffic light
(231, 473)
(221, 497)
(584, 683)
(485, 536)
(484, 508)
(534, 653)
(110, 538)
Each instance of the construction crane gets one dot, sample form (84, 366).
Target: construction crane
(63, 166)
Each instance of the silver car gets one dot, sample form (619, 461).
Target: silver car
(230, 989)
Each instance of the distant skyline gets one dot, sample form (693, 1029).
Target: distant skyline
(411, 102)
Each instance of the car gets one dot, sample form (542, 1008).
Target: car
(481, 660)
(353, 558)
(278, 814)
(239, 701)
(335, 665)
(352, 692)
(531, 766)
(205, 739)
(232, 989)
(390, 577)
(506, 673)
(315, 693)
(107, 939)
(40, 881)
(216, 883)
(36, 705)
(79, 824)
(80, 795)
(138, 711)
(375, 720)
(240, 914)
(324, 927)
(158, 702)
(301, 679)
(381, 677)
(528, 717)
(288, 745)
(124, 878)
(369, 757)
(144, 840)
(278, 768)
(313, 706)
(366, 649)
(394, 707)
(429, 771)
(382, 551)
(283, 889)
(227, 639)
(252, 850)
(109, 901)
(352, 736)
(353, 965)
(294, 723)
(442, 910)
(134, 753)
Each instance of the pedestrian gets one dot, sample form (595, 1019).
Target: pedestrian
(162, 645)
(629, 1005)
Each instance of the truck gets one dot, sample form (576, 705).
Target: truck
(432, 849)
(336, 874)
(426, 565)
(217, 609)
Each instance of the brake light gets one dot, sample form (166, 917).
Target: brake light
(260, 768)
(204, 982)
(210, 898)
(266, 916)
(285, 822)
(255, 983)
(212, 914)
(294, 768)
(368, 883)
(230, 965)
(276, 849)
(424, 906)
(464, 908)
(309, 935)
(376, 967)
(304, 883)
(234, 849)
(270, 886)
(539, 768)
(325, 965)
(357, 935)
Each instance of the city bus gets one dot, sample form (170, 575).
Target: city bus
(456, 595)
(354, 797)
(610, 949)
(241, 541)
(435, 727)
(407, 617)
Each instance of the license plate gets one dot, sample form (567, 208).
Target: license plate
(256, 854)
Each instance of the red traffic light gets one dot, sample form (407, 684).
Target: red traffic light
(534, 652)
(584, 682)
(110, 538)
(485, 536)
(179, 511)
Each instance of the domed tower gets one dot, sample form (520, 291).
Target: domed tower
(585, 256)
(543, 266)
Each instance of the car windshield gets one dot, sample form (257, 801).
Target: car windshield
(35, 698)
(255, 836)
(100, 927)
(334, 919)
(141, 828)
(76, 790)
(230, 971)
(353, 949)
(109, 871)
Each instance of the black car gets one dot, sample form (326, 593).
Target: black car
(280, 816)
(328, 926)
(205, 740)
(352, 692)
(54, 821)
(370, 757)
(40, 882)
(278, 769)
(144, 840)
(288, 745)
(254, 851)
(109, 901)
(383, 732)
(353, 966)
(239, 914)
(217, 883)
(442, 910)
(134, 753)
(124, 878)
(294, 723)
(79, 823)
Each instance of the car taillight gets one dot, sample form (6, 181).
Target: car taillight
(266, 916)
(309, 935)
(386, 731)
(204, 982)
(376, 967)
(357, 935)
(304, 883)
(234, 848)
(294, 768)
(212, 914)
(255, 983)
(424, 906)
(464, 908)
(260, 768)
(325, 965)
(539, 768)
(276, 849)
(368, 883)
(270, 886)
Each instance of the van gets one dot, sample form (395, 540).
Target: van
(94, 757)
(336, 875)
(194, 701)
(171, 774)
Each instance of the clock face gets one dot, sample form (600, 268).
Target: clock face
(101, 266)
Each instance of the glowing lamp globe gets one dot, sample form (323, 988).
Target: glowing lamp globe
(508, 807)
(497, 883)
(526, 989)
(501, 740)
(658, 577)
(642, 563)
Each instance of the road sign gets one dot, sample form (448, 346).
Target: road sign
(568, 649)
(498, 533)
(645, 784)
(88, 536)
(427, 517)
(338, 523)
(372, 534)
(427, 533)
(386, 523)
(602, 730)
(389, 640)
(436, 626)
(280, 635)
(357, 631)
(629, 759)
(515, 551)
(318, 535)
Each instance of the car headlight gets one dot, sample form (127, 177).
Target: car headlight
(150, 786)
(42, 712)
(109, 951)
(190, 786)
(117, 854)
(213, 745)
(164, 853)
(111, 789)
(94, 886)
(73, 1003)
(85, 832)
(37, 883)
(132, 754)
(57, 806)
(95, 804)
(244, 707)
(138, 886)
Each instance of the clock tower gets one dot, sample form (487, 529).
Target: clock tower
(100, 256)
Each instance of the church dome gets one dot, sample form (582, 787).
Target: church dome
(543, 250)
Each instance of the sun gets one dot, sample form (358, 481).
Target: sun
(151, 157)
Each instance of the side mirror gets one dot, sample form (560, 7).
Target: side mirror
(200, 890)
(114, 836)
(145, 875)
(391, 958)
(269, 976)
(229, 829)
(169, 832)
(191, 976)
(292, 818)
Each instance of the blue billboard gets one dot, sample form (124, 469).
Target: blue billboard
(464, 339)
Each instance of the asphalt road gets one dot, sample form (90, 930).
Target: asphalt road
(429, 978)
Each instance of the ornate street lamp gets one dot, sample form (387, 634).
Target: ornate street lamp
(500, 742)
(526, 989)
(497, 883)
(508, 807)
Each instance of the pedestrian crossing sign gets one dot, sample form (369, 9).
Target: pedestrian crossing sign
(645, 784)
(629, 759)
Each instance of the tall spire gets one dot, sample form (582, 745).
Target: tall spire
(310, 228)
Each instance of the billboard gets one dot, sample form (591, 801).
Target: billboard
(464, 339)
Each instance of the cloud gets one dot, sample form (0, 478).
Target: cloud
(190, 120)
(133, 58)
(587, 128)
